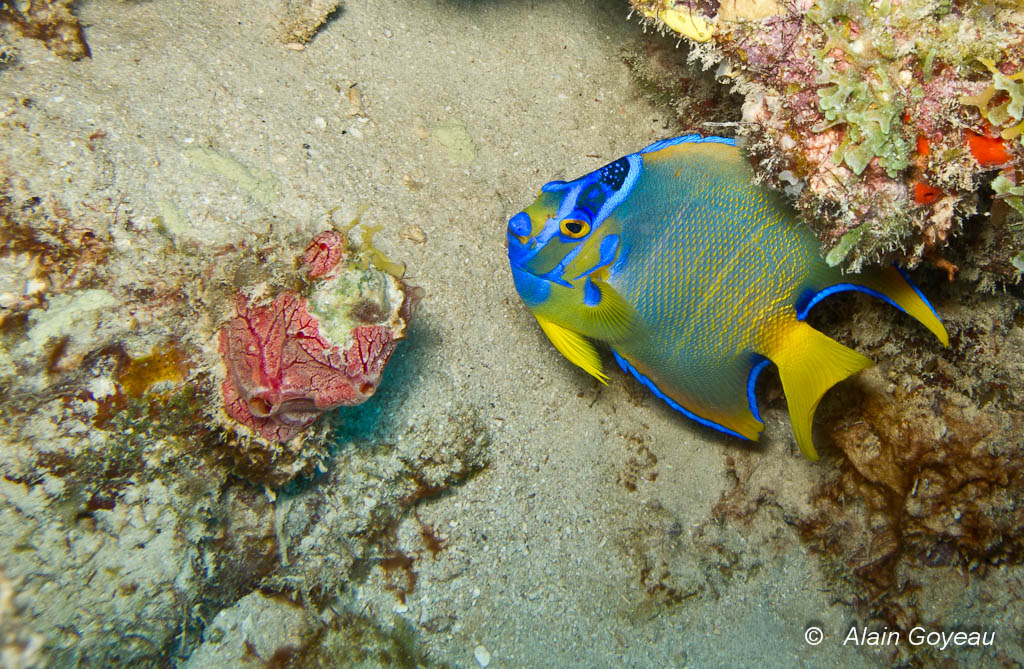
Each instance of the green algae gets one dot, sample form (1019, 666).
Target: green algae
(1012, 193)
(860, 92)
(172, 221)
(846, 243)
(454, 138)
(263, 187)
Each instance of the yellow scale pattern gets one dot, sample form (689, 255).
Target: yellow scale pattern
(713, 279)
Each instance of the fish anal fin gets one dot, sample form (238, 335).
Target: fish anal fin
(574, 347)
(737, 421)
(809, 364)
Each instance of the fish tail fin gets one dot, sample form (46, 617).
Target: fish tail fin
(895, 287)
(809, 364)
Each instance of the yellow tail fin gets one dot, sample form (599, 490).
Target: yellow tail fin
(809, 364)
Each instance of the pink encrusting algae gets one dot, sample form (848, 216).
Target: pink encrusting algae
(283, 373)
(324, 253)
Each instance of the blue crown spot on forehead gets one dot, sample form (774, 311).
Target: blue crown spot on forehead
(613, 174)
(591, 199)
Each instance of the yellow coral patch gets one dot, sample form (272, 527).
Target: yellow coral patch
(1012, 131)
(748, 10)
(165, 364)
(683, 21)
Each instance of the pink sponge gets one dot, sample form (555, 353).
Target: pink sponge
(283, 370)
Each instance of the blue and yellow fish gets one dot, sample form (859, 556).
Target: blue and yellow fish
(696, 279)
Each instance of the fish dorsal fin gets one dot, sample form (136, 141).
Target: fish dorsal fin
(896, 288)
(891, 285)
(608, 316)
(809, 364)
(574, 347)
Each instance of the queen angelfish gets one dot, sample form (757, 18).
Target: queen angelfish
(696, 279)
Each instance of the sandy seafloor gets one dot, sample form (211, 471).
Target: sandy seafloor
(549, 549)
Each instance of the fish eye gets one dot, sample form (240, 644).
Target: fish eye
(574, 228)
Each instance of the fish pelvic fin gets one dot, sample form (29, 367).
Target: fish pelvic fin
(574, 347)
(809, 364)
(895, 286)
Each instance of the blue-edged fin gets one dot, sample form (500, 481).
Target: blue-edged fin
(607, 315)
(809, 364)
(891, 285)
(896, 288)
(574, 347)
(734, 417)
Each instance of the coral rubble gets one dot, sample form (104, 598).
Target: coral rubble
(303, 18)
(133, 507)
(260, 631)
(883, 120)
(19, 648)
(49, 21)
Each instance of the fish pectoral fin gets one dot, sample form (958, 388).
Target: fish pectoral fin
(809, 364)
(891, 283)
(574, 347)
(610, 318)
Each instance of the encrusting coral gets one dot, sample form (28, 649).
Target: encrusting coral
(892, 124)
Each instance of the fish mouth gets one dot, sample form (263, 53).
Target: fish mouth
(533, 288)
(519, 250)
(520, 253)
